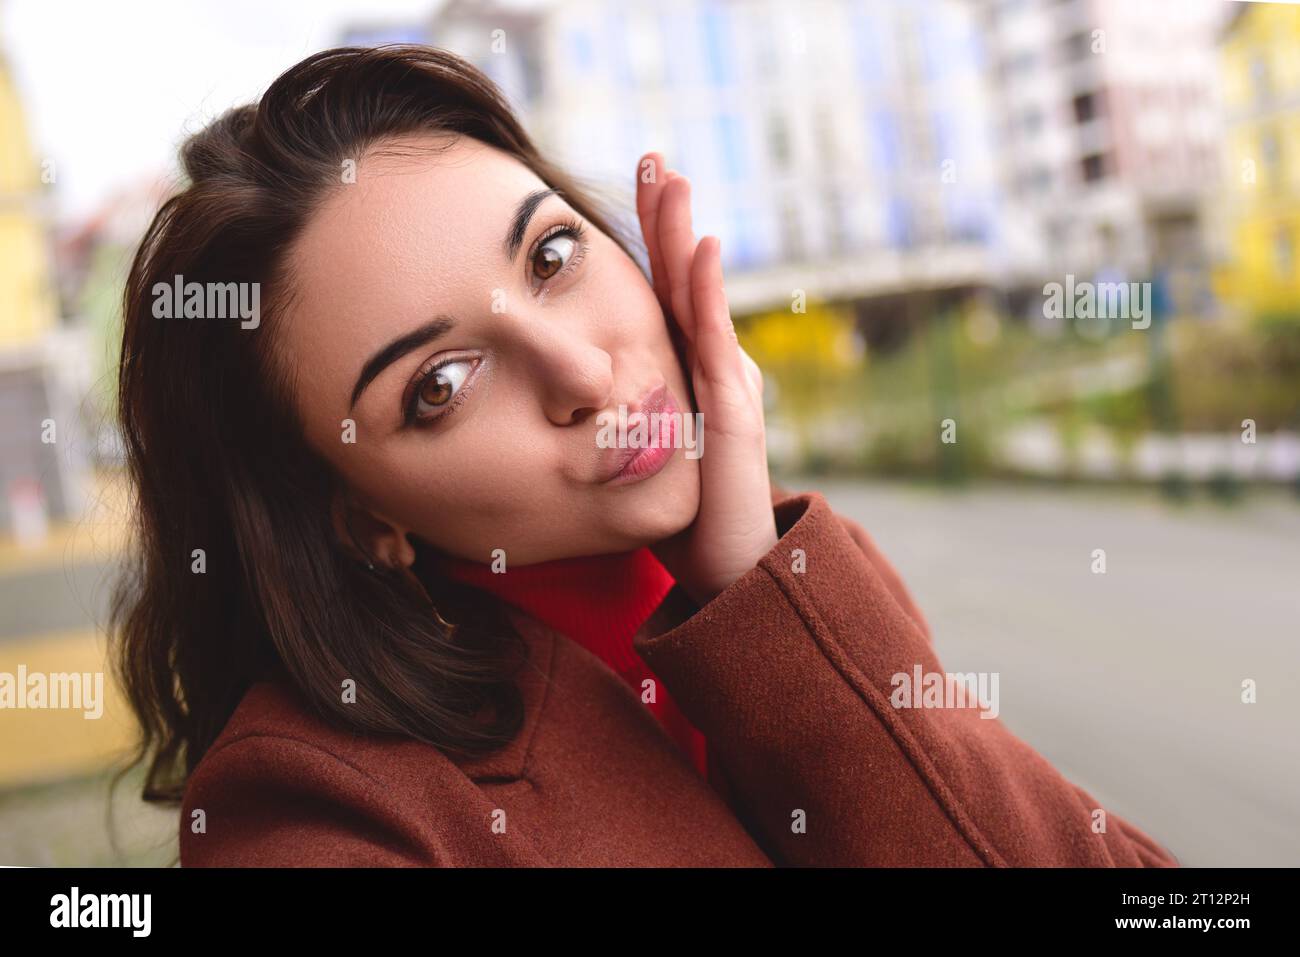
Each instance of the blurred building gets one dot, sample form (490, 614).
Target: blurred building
(1108, 130)
(43, 458)
(838, 147)
(92, 257)
(1259, 216)
(883, 152)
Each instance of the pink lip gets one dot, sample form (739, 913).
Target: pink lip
(624, 466)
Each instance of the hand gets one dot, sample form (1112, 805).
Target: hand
(735, 525)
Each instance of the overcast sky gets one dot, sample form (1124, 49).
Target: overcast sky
(110, 88)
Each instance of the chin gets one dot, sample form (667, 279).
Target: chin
(663, 505)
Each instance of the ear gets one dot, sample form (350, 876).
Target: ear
(368, 536)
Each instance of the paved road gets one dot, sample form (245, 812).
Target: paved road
(1129, 682)
(51, 599)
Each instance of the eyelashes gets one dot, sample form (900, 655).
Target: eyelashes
(570, 228)
(446, 379)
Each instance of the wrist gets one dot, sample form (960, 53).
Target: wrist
(703, 588)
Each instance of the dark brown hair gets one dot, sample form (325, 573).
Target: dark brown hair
(218, 461)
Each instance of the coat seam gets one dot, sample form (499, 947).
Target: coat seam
(931, 778)
(438, 851)
(549, 676)
(303, 741)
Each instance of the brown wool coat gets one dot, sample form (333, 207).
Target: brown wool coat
(788, 675)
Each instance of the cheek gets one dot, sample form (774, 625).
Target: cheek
(441, 482)
(636, 299)
(466, 490)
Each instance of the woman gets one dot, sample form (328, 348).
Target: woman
(397, 602)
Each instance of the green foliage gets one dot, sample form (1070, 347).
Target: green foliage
(1226, 372)
(1176, 487)
(988, 374)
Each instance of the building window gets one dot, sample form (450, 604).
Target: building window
(887, 139)
(1037, 180)
(778, 141)
(792, 232)
(835, 226)
(898, 222)
(741, 246)
(1270, 151)
(716, 31)
(1260, 80)
(1078, 46)
(1021, 61)
(1086, 107)
(581, 56)
(1094, 167)
(731, 145)
(824, 132)
(1031, 120)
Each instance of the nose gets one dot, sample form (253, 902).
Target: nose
(576, 375)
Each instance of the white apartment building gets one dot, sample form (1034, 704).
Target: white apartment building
(1108, 129)
(835, 146)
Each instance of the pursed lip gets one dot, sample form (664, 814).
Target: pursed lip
(621, 465)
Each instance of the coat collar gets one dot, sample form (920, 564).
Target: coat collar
(533, 680)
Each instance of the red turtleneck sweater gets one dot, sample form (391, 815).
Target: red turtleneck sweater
(599, 602)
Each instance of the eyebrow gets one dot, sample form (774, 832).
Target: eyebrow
(523, 214)
(441, 325)
(399, 347)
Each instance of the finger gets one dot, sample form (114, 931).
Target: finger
(755, 373)
(677, 243)
(652, 176)
(650, 181)
(717, 348)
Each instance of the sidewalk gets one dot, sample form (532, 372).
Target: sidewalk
(54, 598)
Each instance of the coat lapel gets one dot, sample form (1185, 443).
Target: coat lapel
(534, 677)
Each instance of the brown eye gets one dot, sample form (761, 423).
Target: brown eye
(439, 388)
(552, 255)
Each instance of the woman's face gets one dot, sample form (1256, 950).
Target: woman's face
(441, 307)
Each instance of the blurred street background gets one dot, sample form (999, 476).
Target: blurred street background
(1023, 277)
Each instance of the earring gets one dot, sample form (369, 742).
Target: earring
(347, 522)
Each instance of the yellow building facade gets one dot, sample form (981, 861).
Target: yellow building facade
(1260, 82)
(27, 306)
